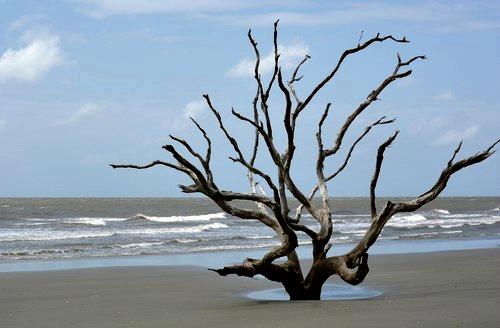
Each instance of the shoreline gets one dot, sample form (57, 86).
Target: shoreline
(438, 289)
(224, 257)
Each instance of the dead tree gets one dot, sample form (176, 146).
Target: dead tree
(281, 264)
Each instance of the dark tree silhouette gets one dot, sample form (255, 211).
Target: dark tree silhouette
(281, 264)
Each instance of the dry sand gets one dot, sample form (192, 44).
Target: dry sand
(446, 289)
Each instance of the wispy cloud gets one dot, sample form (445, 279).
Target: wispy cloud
(27, 20)
(438, 17)
(104, 8)
(446, 17)
(454, 136)
(192, 109)
(289, 55)
(85, 111)
(427, 125)
(445, 96)
(2, 123)
(28, 64)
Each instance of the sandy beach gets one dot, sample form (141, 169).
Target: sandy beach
(442, 289)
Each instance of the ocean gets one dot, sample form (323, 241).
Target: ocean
(54, 228)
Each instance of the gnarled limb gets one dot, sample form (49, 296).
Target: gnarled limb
(344, 55)
(373, 96)
(296, 79)
(392, 208)
(378, 165)
(354, 276)
(381, 121)
(147, 166)
(236, 147)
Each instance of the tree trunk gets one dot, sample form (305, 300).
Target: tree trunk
(310, 287)
(301, 293)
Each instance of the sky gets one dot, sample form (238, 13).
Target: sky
(85, 83)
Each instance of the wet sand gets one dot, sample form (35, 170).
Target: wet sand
(444, 289)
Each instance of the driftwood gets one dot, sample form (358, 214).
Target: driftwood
(274, 210)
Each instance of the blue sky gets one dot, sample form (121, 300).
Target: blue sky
(86, 83)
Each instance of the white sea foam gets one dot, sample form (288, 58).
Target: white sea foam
(33, 235)
(187, 218)
(442, 211)
(261, 237)
(425, 234)
(95, 221)
(139, 245)
(173, 230)
(229, 247)
(446, 222)
(352, 215)
(53, 234)
(415, 221)
(465, 216)
(186, 240)
(355, 231)
(39, 219)
(89, 221)
(410, 218)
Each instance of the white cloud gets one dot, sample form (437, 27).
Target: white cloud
(445, 96)
(454, 136)
(289, 55)
(427, 125)
(448, 17)
(104, 8)
(87, 110)
(444, 18)
(25, 20)
(192, 109)
(342, 15)
(432, 16)
(38, 57)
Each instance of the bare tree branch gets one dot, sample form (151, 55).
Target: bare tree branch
(297, 79)
(207, 139)
(344, 55)
(236, 148)
(378, 165)
(147, 166)
(392, 208)
(332, 176)
(371, 98)
(264, 94)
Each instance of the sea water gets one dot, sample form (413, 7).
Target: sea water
(85, 227)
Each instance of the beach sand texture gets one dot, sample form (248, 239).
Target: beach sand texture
(445, 289)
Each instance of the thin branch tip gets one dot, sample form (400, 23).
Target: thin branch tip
(493, 146)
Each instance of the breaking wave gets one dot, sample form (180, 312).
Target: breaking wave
(89, 221)
(40, 235)
(171, 219)
(155, 231)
